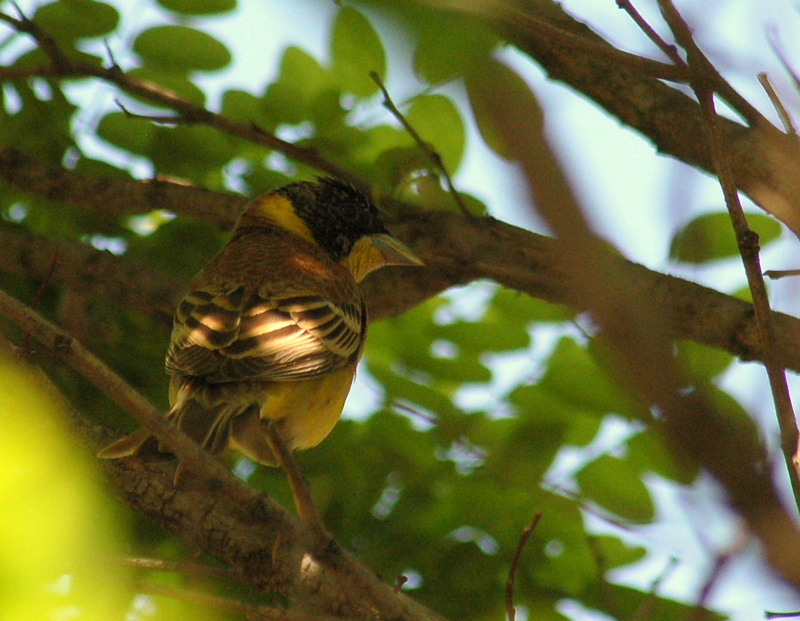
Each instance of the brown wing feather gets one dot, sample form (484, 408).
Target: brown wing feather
(269, 306)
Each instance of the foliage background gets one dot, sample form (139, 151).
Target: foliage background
(474, 410)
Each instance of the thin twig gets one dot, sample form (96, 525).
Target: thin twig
(399, 582)
(65, 66)
(670, 51)
(747, 241)
(645, 609)
(589, 508)
(153, 118)
(783, 113)
(511, 612)
(703, 83)
(772, 37)
(698, 612)
(777, 274)
(701, 65)
(416, 413)
(781, 615)
(190, 569)
(427, 149)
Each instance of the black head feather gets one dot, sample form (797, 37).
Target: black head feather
(336, 213)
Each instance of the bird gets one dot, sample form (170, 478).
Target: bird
(273, 327)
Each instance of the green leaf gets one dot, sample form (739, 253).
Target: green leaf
(132, 134)
(180, 49)
(574, 376)
(438, 122)
(198, 7)
(701, 362)
(615, 552)
(710, 236)
(247, 108)
(449, 46)
(356, 51)
(650, 452)
(67, 20)
(40, 128)
(519, 449)
(192, 152)
(510, 304)
(565, 564)
(616, 485)
(537, 403)
(290, 98)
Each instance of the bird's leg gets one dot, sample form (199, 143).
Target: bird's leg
(301, 491)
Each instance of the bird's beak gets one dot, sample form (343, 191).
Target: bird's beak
(376, 251)
(394, 252)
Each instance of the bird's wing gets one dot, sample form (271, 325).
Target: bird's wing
(235, 336)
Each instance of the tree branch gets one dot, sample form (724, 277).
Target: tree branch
(456, 251)
(235, 523)
(703, 81)
(643, 355)
(764, 159)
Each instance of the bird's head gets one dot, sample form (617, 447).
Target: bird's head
(339, 218)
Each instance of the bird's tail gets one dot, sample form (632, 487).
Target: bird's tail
(209, 414)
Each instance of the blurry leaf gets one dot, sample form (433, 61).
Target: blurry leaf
(67, 20)
(520, 449)
(397, 164)
(41, 127)
(132, 134)
(615, 552)
(406, 340)
(565, 563)
(482, 106)
(51, 541)
(537, 403)
(702, 362)
(438, 122)
(180, 49)
(180, 247)
(247, 108)
(260, 180)
(191, 152)
(744, 293)
(741, 429)
(649, 452)
(198, 7)
(525, 309)
(449, 45)
(301, 78)
(633, 604)
(711, 236)
(617, 486)
(574, 375)
(356, 50)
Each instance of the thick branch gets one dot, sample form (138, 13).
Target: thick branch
(235, 523)
(456, 251)
(764, 160)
